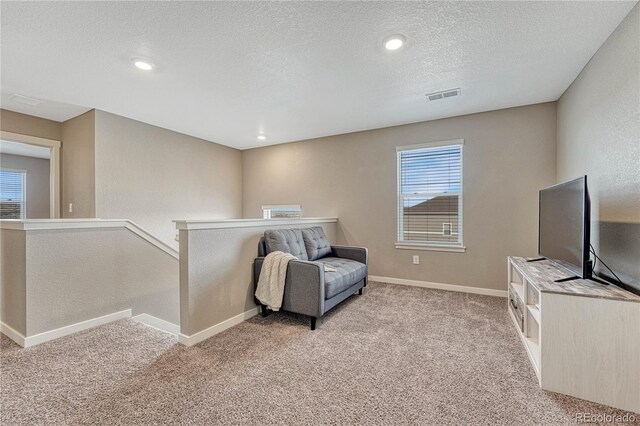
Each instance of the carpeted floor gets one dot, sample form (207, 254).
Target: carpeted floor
(397, 355)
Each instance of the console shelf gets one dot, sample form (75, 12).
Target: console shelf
(534, 312)
(582, 337)
(519, 289)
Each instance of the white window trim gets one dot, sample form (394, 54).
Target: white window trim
(9, 169)
(280, 206)
(430, 247)
(23, 205)
(411, 245)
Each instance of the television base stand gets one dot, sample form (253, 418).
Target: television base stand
(535, 259)
(598, 280)
(562, 280)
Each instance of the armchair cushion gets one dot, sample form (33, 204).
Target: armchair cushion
(287, 241)
(348, 272)
(316, 242)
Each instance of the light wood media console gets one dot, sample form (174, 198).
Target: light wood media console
(582, 337)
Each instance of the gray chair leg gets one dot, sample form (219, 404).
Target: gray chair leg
(313, 323)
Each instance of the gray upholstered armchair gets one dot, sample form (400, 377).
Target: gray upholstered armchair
(309, 290)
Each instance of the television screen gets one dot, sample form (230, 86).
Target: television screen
(563, 232)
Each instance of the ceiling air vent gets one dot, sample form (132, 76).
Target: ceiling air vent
(444, 94)
(26, 100)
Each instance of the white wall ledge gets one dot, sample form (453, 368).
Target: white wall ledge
(189, 225)
(57, 224)
(41, 224)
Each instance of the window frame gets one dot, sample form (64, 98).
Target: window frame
(279, 206)
(23, 203)
(424, 245)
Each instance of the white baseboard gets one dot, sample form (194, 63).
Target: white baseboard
(36, 339)
(440, 286)
(12, 334)
(218, 328)
(158, 323)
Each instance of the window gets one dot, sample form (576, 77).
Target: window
(12, 194)
(282, 211)
(430, 196)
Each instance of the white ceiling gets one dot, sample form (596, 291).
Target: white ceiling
(17, 148)
(293, 70)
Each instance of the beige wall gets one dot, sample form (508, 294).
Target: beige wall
(599, 135)
(112, 269)
(508, 156)
(24, 124)
(152, 176)
(216, 273)
(13, 275)
(78, 166)
(37, 182)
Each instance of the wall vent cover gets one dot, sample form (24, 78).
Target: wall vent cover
(442, 95)
(26, 100)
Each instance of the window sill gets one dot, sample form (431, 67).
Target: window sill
(431, 247)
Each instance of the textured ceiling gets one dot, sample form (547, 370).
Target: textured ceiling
(293, 70)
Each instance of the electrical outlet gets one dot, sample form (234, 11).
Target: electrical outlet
(416, 260)
(70, 207)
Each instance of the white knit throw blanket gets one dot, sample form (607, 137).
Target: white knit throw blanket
(272, 277)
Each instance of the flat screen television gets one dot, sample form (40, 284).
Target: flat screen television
(564, 223)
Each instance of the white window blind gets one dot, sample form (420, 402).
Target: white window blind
(430, 194)
(281, 211)
(12, 194)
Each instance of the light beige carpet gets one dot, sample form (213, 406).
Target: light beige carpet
(397, 355)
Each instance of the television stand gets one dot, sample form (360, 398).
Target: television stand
(581, 337)
(535, 259)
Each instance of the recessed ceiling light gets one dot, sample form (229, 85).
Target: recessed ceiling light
(394, 42)
(262, 137)
(143, 65)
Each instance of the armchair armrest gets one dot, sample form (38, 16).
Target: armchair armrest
(257, 267)
(304, 286)
(359, 254)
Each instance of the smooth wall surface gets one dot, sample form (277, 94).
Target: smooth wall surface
(78, 166)
(152, 176)
(216, 273)
(37, 188)
(599, 135)
(24, 124)
(13, 276)
(508, 156)
(80, 274)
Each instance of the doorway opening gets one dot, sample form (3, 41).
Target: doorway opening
(29, 177)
